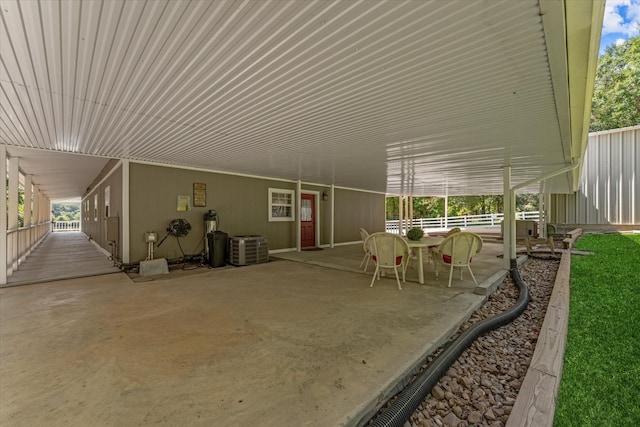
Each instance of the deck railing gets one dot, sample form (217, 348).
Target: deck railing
(66, 226)
(460, 221)
(21, 242)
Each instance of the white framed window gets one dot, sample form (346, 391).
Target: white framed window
(281, 204)
(95, 207)
(107, 200)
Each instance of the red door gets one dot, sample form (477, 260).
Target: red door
(308, 221)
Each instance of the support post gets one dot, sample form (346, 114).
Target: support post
(298, 223)
(400, 215)
(508, 225)
(124, 245)
(446, 211)
(542, 216)
(12, 217)
(47, 211)
(410, 209)
(35, 236)
(332, 217)
(3, 217)
(28, 194)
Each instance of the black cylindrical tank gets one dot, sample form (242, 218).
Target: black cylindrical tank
(217, 248)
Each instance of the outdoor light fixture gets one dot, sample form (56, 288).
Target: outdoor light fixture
(325, 196)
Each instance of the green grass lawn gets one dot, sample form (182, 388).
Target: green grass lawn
(601, 378)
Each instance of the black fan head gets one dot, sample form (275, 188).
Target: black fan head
(179, 227)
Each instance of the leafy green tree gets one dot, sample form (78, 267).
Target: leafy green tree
(616, 92)
(392, 208)
(527, 202)
(20, 204)
(433, 207)
(20, 207)
(428, 207)
(66, 211)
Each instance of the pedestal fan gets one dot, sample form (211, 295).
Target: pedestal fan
(178, 228)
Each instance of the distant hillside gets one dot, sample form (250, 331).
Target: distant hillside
(66, 211)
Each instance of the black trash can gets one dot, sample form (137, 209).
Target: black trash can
(217, 248)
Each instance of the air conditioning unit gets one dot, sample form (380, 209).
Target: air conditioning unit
(247, 250)
(526, 228)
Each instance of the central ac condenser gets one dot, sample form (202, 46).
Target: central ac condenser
(247, 250)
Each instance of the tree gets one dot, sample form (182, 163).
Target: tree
(433, 207)
(20, 204)
(65, 211)
(393, 208)
(428, 207)
(616, 92)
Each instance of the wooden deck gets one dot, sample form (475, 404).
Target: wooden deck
(62, 256)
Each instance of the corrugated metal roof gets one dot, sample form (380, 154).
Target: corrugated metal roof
(412, 97)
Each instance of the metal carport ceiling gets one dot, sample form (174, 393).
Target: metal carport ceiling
(404, 97)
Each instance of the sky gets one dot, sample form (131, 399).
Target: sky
(621, 21)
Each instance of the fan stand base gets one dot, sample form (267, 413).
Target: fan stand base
(154, 267)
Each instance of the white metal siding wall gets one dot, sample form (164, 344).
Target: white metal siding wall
(609, 192)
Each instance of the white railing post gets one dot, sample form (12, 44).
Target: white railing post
(66, 226)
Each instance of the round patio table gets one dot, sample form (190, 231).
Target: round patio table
(425, 242)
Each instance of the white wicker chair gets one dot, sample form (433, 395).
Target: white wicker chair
(456, 251)
(388, 251)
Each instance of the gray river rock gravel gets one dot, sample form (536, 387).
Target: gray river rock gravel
(480, 388)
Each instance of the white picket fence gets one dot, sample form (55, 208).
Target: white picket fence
(459, 221)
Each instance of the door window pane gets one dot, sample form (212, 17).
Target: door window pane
(305, 210)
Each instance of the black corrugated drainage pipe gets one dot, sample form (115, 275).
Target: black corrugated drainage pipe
(410, 398)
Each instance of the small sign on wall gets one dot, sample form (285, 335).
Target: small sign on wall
(184, 203)
(199, 194)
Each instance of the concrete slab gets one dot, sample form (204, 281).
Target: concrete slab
(487, 266)
(282, 343)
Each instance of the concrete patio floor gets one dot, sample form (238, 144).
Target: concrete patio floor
(285, 343)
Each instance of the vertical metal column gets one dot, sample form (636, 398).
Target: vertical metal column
(400, 215)
(12, 220)
(410, 209)
(446, 211)
(28, 194)
(508, 225)
(35, 235)
(124, 245)
(3, 217)
(332, 218)
(542, 215)
(298, 223)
